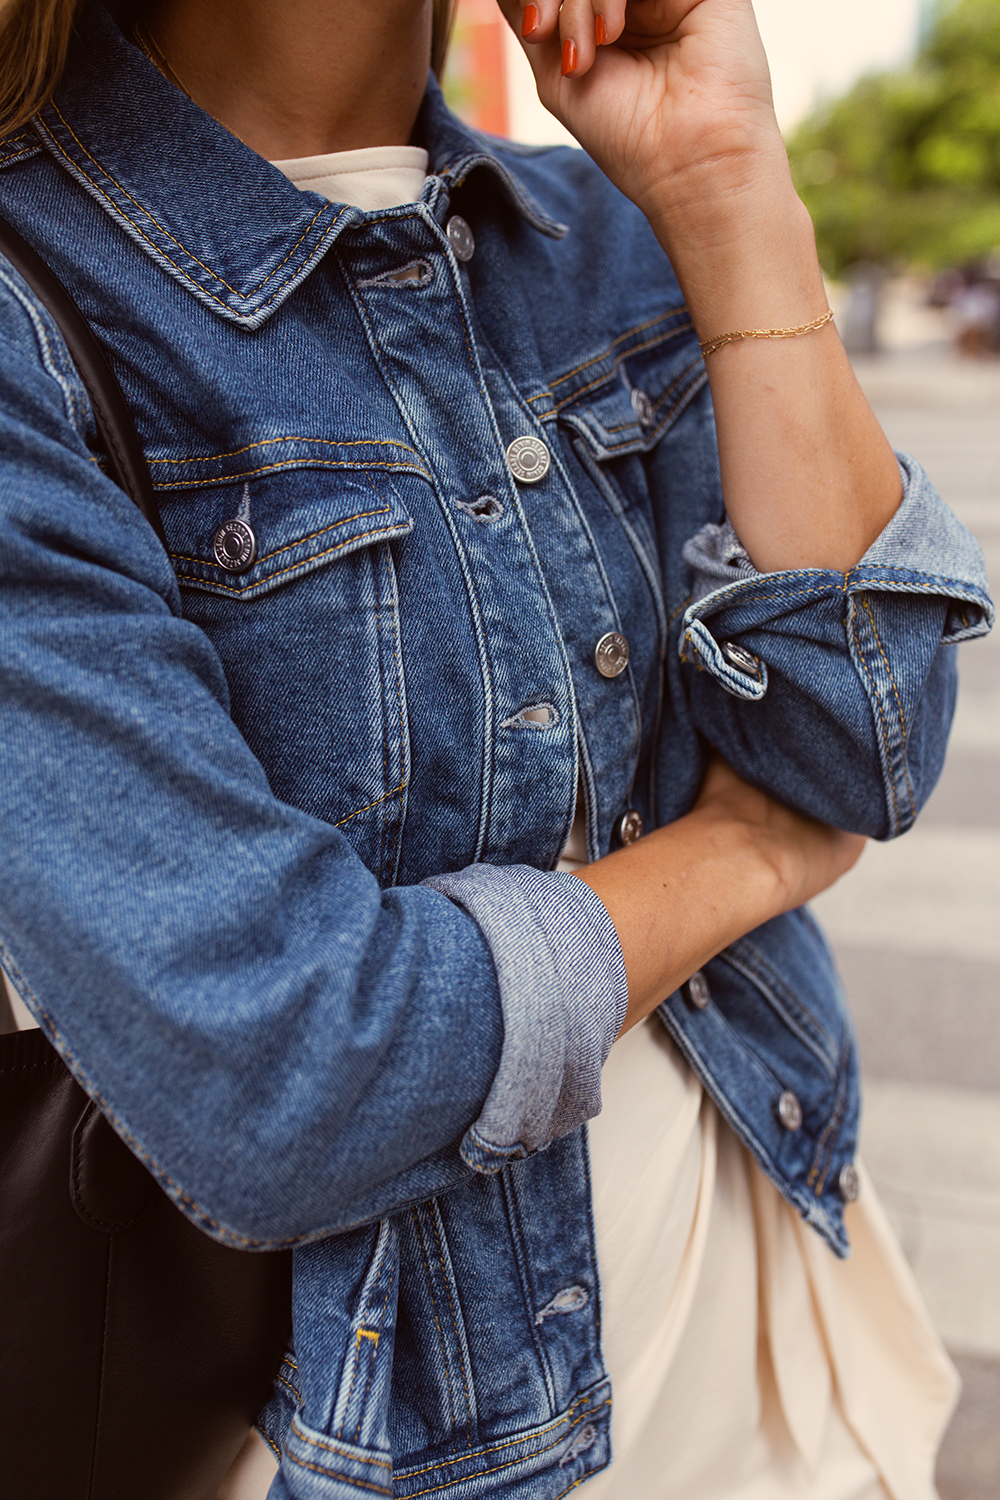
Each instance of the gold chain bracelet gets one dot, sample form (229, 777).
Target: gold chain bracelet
(711, 345)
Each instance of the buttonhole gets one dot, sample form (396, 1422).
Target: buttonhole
(570, 1299)
(538, 716)
(418, 271)
(414, 273)
(486, 508)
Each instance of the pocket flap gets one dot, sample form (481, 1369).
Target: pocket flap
(634, 396)
(297, 519)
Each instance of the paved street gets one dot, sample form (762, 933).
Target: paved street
(917, 934)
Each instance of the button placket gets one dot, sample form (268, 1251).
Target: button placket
(462, 418)
(463, 460)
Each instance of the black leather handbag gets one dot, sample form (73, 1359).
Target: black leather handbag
(135, 1352)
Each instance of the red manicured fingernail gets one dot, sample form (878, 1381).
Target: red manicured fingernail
(529, 21)
(600, 31)
(568, 57)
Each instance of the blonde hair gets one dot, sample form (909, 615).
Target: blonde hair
(444, 20)
(34, 37)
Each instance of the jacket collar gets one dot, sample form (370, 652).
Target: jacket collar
(211, 212)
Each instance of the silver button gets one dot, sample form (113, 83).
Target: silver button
(235, 546)
(528, 459)
(630, 827)
(698, 992)
(790, 1110)
(849, 1182)
(460, 238)
(643, 408)
(743, 661)
(611, 654)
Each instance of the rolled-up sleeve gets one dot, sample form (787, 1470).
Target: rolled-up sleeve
(289, 1048)
(835, 690)
(564, 993)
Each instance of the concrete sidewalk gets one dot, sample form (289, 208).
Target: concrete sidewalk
(917, 927)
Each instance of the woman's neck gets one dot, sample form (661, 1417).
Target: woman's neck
(298, 77)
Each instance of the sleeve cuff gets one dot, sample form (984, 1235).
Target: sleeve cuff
(564, 993)
(924, 550)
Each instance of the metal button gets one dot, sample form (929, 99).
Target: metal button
(698, 991)
(460, 238)
(790, 1110)
(528, 459)
(611, 654)
(743, 661)
(849, 1182)
(235, 546)
(630, 827)
(643, 408)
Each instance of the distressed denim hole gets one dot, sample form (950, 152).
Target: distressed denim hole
(486, 508)
(570, 1299)
(539, 716)
(584, 1439)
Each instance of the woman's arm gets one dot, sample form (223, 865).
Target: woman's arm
(683, 893)
(291, 1049)
(676, 109)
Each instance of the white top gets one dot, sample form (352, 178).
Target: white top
(374, 177)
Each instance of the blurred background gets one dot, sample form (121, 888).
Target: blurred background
(891, 113)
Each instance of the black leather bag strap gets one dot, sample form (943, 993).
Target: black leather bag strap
(115, 428)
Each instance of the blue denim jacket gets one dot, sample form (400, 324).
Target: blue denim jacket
(279, 838)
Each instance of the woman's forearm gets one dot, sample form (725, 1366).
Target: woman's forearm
(672, 98)
(808, 476)
(684, 892)
(677, 898)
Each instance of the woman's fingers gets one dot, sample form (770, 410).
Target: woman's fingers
(584, 27)
(539, 19)
(578, 28)
(571, 25)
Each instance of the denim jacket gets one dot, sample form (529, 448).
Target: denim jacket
(280, 824)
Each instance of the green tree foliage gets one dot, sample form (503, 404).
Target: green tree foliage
(906, 165)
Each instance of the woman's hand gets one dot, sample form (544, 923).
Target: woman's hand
(675, 107)
(807, 856)
(674, 104)
(682, 893)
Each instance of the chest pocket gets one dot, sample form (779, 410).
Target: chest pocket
(290, 574)
(630, 399)
(622, 411)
